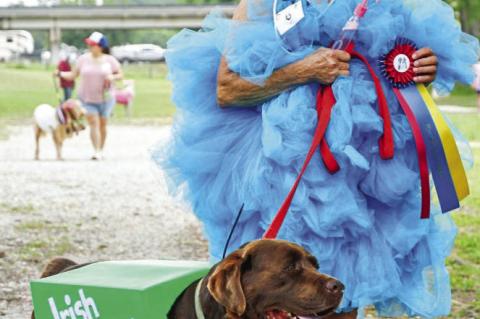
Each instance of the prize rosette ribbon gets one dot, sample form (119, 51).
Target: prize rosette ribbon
(436, 147)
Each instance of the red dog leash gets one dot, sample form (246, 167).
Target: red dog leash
(386, 144)
(324, 104)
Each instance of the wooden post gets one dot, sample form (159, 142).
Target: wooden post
(55, 41)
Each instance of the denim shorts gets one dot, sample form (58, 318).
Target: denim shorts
(101, 109)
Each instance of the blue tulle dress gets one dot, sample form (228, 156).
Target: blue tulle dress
(362, 223)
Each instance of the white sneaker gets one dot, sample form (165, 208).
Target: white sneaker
(96, 156)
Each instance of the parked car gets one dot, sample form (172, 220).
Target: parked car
(138, 53)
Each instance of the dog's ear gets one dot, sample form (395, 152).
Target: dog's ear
(226, 287)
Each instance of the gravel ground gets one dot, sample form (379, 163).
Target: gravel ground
(117, 208)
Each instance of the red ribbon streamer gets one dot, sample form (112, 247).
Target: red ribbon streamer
(421, 154)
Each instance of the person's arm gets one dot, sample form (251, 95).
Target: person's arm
(117, 76)
(324, 66)
(117, 73)
(70, 75)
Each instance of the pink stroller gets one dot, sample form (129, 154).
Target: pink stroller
(124, 95)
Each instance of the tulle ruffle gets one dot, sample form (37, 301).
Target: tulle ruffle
(363, 222)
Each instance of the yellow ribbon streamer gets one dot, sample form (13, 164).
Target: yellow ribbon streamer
(452, 154)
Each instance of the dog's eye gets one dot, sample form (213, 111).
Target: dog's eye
(313, 261)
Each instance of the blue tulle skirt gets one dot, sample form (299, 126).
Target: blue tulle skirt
(362, 223)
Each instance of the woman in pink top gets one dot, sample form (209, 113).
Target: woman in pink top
(97, 71)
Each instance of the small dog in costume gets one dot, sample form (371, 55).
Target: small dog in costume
(62, 122)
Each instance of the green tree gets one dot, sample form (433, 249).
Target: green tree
(119, 37)
(468, 13)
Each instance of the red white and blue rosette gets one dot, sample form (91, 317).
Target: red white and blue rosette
(397, 65)
(436, 148)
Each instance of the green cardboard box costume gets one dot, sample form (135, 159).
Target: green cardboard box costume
(115, 290)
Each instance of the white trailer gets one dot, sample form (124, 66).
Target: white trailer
(14, 43)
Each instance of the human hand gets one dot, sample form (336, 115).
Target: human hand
(425, 66)
(325, 65)
(110, 77)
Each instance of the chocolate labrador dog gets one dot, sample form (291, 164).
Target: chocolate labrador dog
(264, 279)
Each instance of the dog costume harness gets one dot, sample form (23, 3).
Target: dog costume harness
(49, 118)
(198, 305)
(46, 117)
(61, 115)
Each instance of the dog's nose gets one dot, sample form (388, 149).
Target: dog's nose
(334, 286)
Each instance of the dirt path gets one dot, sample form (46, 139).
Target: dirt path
(117, 208)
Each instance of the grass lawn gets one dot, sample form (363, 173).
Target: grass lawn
(24, 87)
(464, 264)
(462, 95)
(467, 124)
(21, 89)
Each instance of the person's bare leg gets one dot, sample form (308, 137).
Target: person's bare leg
(94, 123)
(103, 131)
(38, 133)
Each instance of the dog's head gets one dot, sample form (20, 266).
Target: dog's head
(75, 113)
(74, 109)
(273, 279)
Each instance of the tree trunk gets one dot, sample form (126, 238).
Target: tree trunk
(464, 19)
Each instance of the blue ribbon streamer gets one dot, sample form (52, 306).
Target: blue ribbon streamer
(437, 160)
